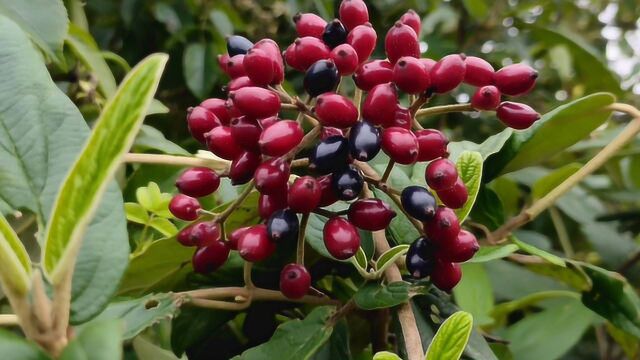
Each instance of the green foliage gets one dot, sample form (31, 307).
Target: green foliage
(451, 338)
(13, 346)
(378, 296)
(15, 265)
(100, 340)
(469, 166)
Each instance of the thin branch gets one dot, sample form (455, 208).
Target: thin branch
(387, 171)
(186, 161)
(301, 233)
(437, 110)
(9, 320)
(237, 202)
(246, 275)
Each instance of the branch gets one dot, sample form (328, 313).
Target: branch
(437, 110)
(301, 234)
(220, 165)
(237, 202)
(9, 320)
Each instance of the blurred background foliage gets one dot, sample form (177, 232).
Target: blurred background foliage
(579, 48)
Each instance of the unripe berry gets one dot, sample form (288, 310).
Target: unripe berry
(460, 250)
(478, 71)
(210, 257)
(516, 115)
(309, 24)
(336, 110)
(254, 244)
(418, 202)
(345, 58)
(219, 108)
(363, 40)
(259, 67)
(272, 176)
(304, 195)
(184, 207)
(283, 226)
(380, 105)
(220, 141)
(243, 166)
(235, 66)
(412, 19)
(432, 144)
(334, 34)
(347, 183)
(239, 83)
(280, 138)
(401, 40)
(328, 195)
(486, 98)
(234, 237)
(410, 75)
(237, 44)
(200, 121)
(441, 174)
(443, 227)
(341, 238)
(370, 214)
(198, 182)
(446, 275)
(364, 141)
(420, 258)
(309, 50)
(400, 144)
(295, 281)
(448, 73)
(256, 102)
(270, 203)
(456, 196)
(321, 77)
(329, 155)
(353, 13)
(373, 73)
(516, 79)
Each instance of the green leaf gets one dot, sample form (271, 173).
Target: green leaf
(490, 146)
(99, 340)
(474, 293)
(85, 48)
(44, 20)
(501, 311)
(385, 355)
(489, 252)
(295, 339)
(199, 65)
(377, 296)
(150, 138)
(147, 350)
(13, 346)
(390, 256)
(451, 338)
(361, 259)
(152, 199)
(15, 265)
(488, 208)
(547, 183)
(136, 213)
(86, 182)
(469, 166)
(528, 248)
(477, 8)
(163, 226)
(193, 325)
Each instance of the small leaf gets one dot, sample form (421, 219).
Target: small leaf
(163, 226)
(99, 340)
(547, 183)
(87, 51)
(488, 252)
(377, 296)
(15, 265)
(386, 355)
(136, 213)
(451, 338)
(528, 248)
(13, 346)
(199, 65)
(361, 259)
(390, 256)
(469, 166)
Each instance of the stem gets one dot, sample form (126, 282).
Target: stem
(357, 99)
(324, 212)
(387, 171)
(306, 140)
(9, 320)
(246, 275)
(220, 165)
(301, 233)
(436, 110)
(561, 230)
(417, 103)
(237, 202)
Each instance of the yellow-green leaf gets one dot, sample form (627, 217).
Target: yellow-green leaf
(15, 265)
(451, 338)
(163, 226)
(136, 213)
(389, 257)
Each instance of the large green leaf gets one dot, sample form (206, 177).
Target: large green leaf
(547, 183)
(15, 265)
(451, 338)
(13, 346)
(474, 293)
(199, 66)
(493, 252)
(86, 50)
(85, 184)
(378, 296)
(469, 166)
(295, 339)
(99, 340)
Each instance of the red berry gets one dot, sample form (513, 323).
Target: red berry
(345, 58)
(328, 132)
(243, 167)
(460, 250)
(327, 195)
(516, 79)
(185, 237)
(259, 67)
(270, 203)
(309, 24)
(235, 66)
(239, 83)
(234, 237)
(380, 105)
(486, 98)
(308, 50)
(220, 141)
(246, 132)
(295, 281)
(223, 60)
(410, 75)
(443, 227)
(200, 121)
(412, 19)
(210, 257)
(516, 115)
(336, 110)
(219, 108)
(428, 64)
(478, 71)
(401, 118)
(446, 275)
(291, 59)
(273, 50)
(371, 214)
(400, 144)
(432, 144)
(401, 40)
(373, 73)
(353, 13)
(205, 233)
(198, 181)
(266, 122)
(184, 207)
(304, 195)
(254, 244)
(363, 40)
(281, 137)
(341, 238)
(255, 102)
(272, 176)
(456, 196)
(448, 73)
(441, 174)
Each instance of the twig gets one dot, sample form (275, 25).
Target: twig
(220, 165)
(237, 202)
(246, 275)
(387, 171)
(9, 320)
(436, 110)
(629, 263)
(301, 233)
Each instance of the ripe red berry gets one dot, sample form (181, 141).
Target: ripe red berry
(308, 50)
(185, 237)
(353, 13)
(410, 75)
(428, 64)
(254, 244)
(373, 73)
(223, 60)
(460, 250)
(201, 121)
(304, 195)
(198, 181)
(441, 174)
(400, 144)
(371, 214)
(235, 66)
(220, 141)
(345, 58)
(380, 105)
(273, 50)
(205, 233)
(401, 118)
(270, 203)
(443, 227)
(327, 195)
(486, 98)
(246, 133)
(309, 24)
(255, 102)
(478, 71)
(328, 132)
(272, 176)
(456, 196)
(341, 238)
(210, 257)
(446, 275)
(291, 59)
(184, 207)
(516, 115)
(516, 79)
(401, 40)
(259, 67)
(219, 108)
(363, 40)
(336, 110)
(412, 19)
(448, 73)
(295, 281)
(266, 122)
(432, 144)
(234, 237)
(281, 137)
(239, 83)
(243, 167)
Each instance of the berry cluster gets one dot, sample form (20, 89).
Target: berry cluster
(246, 129)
